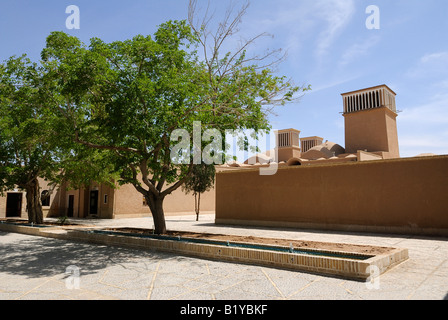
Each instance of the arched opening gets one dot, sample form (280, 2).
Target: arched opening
(294, 162)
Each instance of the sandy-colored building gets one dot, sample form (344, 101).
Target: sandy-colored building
(370, 134)
(364, 184)
(101, 201)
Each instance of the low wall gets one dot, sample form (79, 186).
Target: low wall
(408, 195)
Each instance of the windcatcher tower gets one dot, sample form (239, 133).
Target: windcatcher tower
(310, 142)
(370, 121)
(288, 144)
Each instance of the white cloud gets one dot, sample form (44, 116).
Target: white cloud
(336, 15)
(413, 145)
(442, 84)
(314, 25)
(430, 65)
(358, 50)
(331, 84)
(422, 129)
(428, 142)
(439, 56)
(432, 113)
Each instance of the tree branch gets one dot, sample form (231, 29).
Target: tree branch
(103, 147)
(178, 183)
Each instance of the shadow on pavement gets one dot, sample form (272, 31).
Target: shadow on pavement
(43, 257)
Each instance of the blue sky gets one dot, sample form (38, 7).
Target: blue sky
(328, 47)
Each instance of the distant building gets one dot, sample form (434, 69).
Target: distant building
(362, 187)
(370, 134)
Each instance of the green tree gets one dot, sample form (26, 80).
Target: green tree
(35, 140)
(27, 135)
(201, 179)
(129, 96)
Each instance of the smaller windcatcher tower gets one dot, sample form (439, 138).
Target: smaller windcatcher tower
(288, 144)
(310, 142)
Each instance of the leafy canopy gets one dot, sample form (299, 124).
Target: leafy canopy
(126, 97)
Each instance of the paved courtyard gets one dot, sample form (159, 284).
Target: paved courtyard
(42, 268)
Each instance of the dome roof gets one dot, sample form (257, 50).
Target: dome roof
(426, 155)
(235, 164)
(325, 150)
(261, 158)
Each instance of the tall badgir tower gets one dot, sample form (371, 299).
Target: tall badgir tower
(370, 121)
(370, 133)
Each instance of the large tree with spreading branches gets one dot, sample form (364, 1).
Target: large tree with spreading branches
(125, 98)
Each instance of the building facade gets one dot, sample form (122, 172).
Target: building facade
(101, 201)
(370, 136)
(365, 186)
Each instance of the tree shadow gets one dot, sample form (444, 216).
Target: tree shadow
(37, 257)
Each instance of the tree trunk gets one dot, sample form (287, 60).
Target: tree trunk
(33, 204)
(198, 205)
(158, 215)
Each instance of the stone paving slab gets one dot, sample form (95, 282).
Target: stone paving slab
(35, 268)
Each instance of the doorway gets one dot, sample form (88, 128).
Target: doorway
(93, 207)
(14, 205)
(71, 206)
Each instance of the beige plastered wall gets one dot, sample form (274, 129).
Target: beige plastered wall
(122, 202)
(129, 203)
(43, 185)
(400, 195)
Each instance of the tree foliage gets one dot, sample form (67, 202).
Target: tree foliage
(201, 179)
(28, 135)
(36, 141)
(127, 97)
(120, 101)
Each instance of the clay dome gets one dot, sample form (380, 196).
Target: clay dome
(261, 158)
(235, 164)
(325, 150)
(426, 155)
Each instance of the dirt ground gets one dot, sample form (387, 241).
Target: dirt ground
(298, 244)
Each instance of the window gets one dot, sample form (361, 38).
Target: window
(106, 198)
(45, 198)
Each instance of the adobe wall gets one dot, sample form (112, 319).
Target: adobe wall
(47, 210)
(129, 203)
(399, 195)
